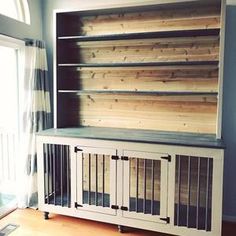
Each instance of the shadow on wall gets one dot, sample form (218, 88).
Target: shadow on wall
(229, 115)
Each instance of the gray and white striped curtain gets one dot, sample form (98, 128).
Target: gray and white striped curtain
(36, 116)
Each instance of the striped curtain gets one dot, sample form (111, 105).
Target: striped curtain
(36, 116)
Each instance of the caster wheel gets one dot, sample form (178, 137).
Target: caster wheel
(121, 228)
(46, 215)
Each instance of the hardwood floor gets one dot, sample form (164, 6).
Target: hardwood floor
(31, 223)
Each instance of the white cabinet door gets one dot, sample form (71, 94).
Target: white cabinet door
(96, 179)
(145, 185)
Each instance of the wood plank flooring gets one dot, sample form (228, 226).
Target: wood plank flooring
(31, 223)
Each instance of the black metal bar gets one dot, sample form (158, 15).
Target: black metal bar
(170, 63)
(179, 188)
(89, 190)
(137, 183)
(198, 192)
(207, 192)
(68, 175)
(51, 170)
(47, 170)
(209, 220)
(144, 35)
(62, 167)
(153, 178)
(189, 190)
(144, 185)
(54, 172)
(44, 171)
(103, 180)
(45, 161)
(96, 173)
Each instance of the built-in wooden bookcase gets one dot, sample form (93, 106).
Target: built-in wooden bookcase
(151, 67)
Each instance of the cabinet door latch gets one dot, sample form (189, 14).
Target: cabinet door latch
(168, 158)
(77, 205)
(124, 158)
(113, 157)
(167, 219)
(123, 208)
(115, 207)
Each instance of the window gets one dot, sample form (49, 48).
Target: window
(16, 9)
(11, 70)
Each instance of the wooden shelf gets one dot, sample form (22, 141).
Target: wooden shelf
(170, 63)
(142, 136)
(143, 35)
(157, 93)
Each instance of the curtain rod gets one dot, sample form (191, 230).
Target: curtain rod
(22, 39)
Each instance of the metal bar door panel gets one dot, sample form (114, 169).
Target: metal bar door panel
(145, 185)
(96, 179)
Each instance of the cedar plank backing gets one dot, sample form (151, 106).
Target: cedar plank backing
(173, 115)
(164, 19)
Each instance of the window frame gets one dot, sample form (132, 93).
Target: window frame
(22, 11)
(18, 45)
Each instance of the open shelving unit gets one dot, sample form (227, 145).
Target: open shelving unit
(167, 55)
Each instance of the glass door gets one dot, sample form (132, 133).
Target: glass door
(145, 186)
(96, 179)
(9, 125)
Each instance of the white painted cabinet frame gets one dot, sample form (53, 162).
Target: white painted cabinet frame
(120, 173)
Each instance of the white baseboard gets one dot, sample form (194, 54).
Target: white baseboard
(229, 218)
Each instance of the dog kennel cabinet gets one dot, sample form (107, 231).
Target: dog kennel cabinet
(137, 117)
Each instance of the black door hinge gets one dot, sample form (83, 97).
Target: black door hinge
(168, 158)
(77, 205)
(113, 157)
(115, 207)
(124, 208)
(124, 158)
(77, 150)
(167, 219)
